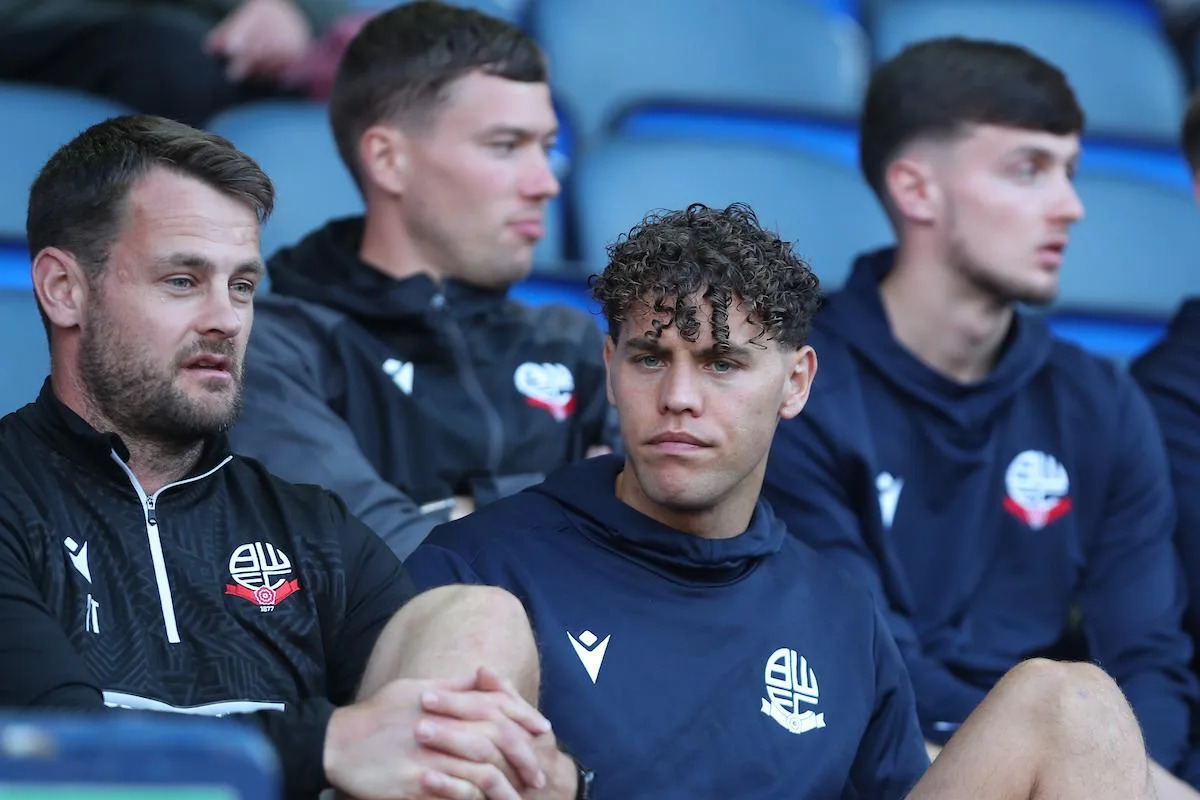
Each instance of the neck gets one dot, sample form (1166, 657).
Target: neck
(947, 323)
(154, 462)
(725, 520)
(388, 247)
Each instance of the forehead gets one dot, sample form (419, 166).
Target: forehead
(640, 318)
(478, 100)
(166, 209)
(988, 142)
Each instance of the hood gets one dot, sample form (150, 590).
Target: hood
(856, 316)
(587, 492)
(325, 268)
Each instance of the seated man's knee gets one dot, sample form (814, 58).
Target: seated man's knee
(489, 606)
(1064, 695)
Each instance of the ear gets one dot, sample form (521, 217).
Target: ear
(61, 287)
(383, 152)
(803, 369)
(913, 191)
(609, 349)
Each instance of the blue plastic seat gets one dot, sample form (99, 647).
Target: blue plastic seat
(24, 354)
(820, 204)
(1125, 74)
(612, 57)
(37, 120)
(1135, 250)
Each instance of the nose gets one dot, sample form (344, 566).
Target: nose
(680, 391)
(1070, 207)
(222, 316)
(539, 181)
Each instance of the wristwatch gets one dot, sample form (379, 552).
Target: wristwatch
(583, 785)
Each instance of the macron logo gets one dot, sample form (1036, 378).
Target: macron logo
(889, 487)
(401, 373)
(78, 555)
(590, 651)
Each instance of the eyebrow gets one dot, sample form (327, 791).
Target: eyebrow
(651, 345)
(198, 262)
(519, 133)
(1043, 153)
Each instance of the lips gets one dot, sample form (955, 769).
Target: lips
(533, 228)
(677, 438)
(208, 362)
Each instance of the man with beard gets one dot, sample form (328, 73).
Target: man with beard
(143, 566)
(1002, 491)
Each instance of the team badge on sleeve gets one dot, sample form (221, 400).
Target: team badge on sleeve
(261, 574)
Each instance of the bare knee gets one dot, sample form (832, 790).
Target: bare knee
(1072, 704)
(451, 631)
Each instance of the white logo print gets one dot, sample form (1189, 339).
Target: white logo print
(547, 386)
(791, 686)
(590, 652)
(78, 555)
(1037, 486)
(889, 487)
(401, 373)
(91, 623)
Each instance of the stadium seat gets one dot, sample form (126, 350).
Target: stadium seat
(1135, 250)
(609, 58)
(24, 354)
(292, 141)
(143, 755)
(820, 204)
(1126, 76)
(37, 121)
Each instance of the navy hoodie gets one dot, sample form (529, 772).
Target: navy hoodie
(1170, 375)
(681, 667)
(986, 516)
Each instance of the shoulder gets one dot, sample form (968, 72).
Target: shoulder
(512, 525)
(254, 485)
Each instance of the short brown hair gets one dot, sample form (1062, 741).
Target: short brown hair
(400, 63)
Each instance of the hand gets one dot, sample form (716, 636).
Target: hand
(562, 776)
(261, 39)
(372, 751)
(491, 723)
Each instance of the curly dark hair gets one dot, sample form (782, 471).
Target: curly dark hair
(673, 261)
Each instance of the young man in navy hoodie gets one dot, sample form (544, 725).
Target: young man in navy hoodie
(986, 480)
(692, 648)
(1168, 374)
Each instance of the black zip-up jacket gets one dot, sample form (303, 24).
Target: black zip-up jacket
(227, 592)
(400, 394)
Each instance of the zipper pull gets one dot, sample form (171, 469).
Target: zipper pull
(150, 516)
(438, 301)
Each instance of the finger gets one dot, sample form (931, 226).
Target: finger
(484, 706)
(439, 784)
(457, 739)
(516, 745)
(486, 778)
(502, 743)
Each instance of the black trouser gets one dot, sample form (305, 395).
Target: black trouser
(154, 63)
